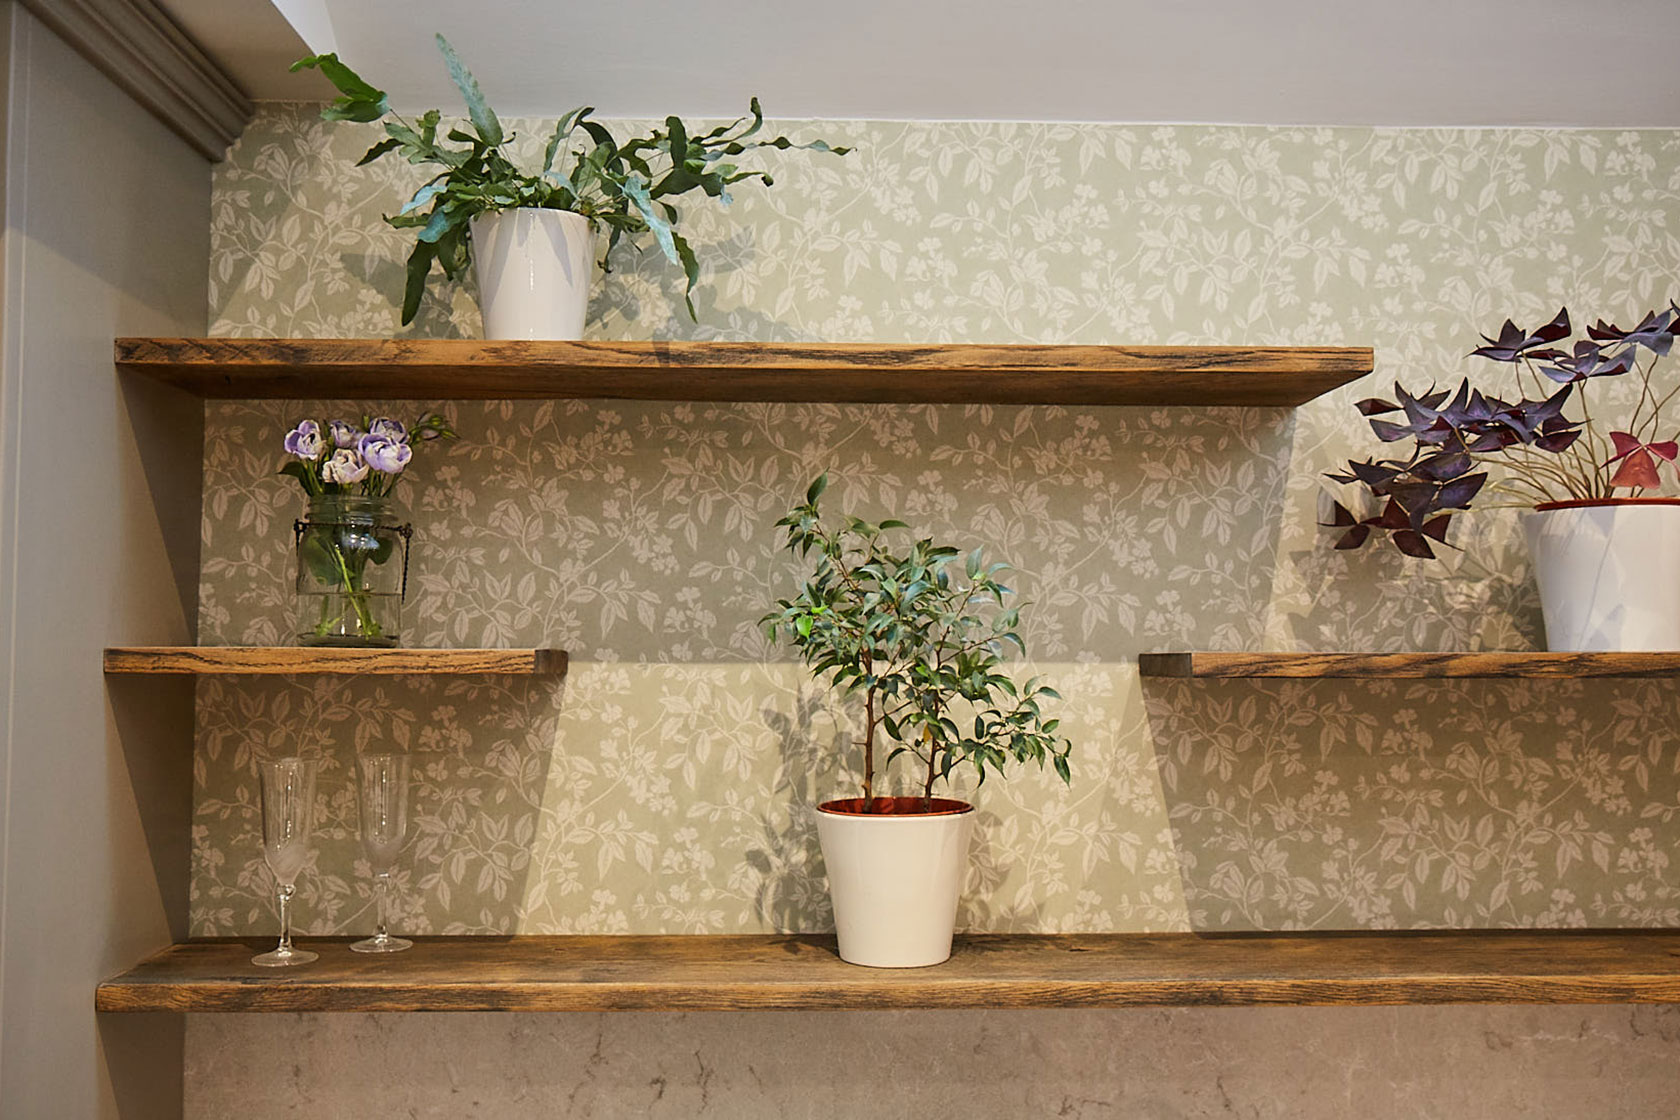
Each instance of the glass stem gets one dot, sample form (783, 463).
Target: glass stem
(384, 903)
(286, 890)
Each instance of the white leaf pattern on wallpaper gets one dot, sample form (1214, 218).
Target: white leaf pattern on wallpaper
(667, 783)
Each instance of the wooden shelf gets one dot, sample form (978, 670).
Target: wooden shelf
(276, 660)
(1213, 666)
(432, 369)
(993, 970)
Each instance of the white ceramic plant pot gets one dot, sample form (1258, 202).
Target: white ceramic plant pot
(895, 879)
(1609, 573)
(534, 270)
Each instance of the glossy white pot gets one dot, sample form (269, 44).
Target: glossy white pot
(1609, 573)
(895, 878)
(534, 270)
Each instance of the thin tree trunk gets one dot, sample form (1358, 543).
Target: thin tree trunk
(868, 750)
(927, 789)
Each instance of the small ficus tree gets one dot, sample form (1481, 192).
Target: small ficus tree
(921, 645)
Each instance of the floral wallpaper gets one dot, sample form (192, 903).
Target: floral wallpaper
(667, 782)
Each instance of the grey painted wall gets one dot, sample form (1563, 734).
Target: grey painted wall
(106, 233)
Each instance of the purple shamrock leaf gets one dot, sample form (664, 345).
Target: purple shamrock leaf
(1513, 341)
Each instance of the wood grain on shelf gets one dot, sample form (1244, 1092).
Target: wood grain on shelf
(738, 973)
(429, 369)
(272, 660)
(1204, 666)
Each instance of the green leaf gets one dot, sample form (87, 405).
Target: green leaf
(303, 472)
(424, 195)
(562, 130)
(484, 120)
(438, 224)
(637, 192)
(691, 271)
(378, 150)
(317, 554)
(361, 101)
(419, 267)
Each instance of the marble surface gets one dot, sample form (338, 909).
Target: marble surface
(1420, 1063)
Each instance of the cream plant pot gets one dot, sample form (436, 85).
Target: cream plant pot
(1609, 573)
(895, 878)
(534, 270)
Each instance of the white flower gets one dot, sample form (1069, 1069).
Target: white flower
(345, 466)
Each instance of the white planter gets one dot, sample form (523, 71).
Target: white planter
(534, 270)
(895, 880)
(1609, 573)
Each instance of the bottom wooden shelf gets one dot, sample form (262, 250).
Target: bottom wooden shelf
(745, 973)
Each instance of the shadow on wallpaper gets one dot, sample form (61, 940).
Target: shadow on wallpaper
(1400, 804)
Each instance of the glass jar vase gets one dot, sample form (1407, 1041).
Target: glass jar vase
(351, 582)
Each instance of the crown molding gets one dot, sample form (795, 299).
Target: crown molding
(137, 46)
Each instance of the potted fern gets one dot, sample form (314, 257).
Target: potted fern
(917, 631)
(530, 237)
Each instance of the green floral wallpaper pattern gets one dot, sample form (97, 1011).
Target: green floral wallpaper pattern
(667, 783)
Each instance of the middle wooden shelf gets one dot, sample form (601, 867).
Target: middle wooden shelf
(301, 660)
(1203, 665)
(803, 972)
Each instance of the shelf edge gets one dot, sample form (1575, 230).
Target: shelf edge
(307, 661)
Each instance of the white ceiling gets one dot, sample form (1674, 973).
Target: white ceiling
(1605, 63)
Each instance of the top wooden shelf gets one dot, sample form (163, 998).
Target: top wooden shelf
(438, 369)
(1213, 666)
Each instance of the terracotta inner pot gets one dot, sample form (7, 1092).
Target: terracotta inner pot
(1580, 502)
(897, 807)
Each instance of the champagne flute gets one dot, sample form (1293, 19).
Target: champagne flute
(288, 811)
(384, 806)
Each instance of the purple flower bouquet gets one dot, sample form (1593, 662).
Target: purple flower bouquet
(348, 594)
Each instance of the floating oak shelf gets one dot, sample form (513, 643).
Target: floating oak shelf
(748, 973)
(1213, 666)
(276, 660)
(432, 369)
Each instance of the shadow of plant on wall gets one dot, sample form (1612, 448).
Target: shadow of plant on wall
(1378, 601)
(1412, 804)
(441, 314)
(791, 892)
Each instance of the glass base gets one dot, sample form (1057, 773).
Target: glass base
(347, 641)
(386, 944)
(280, 958)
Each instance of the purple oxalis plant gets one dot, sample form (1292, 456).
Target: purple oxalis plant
(1544, 441)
